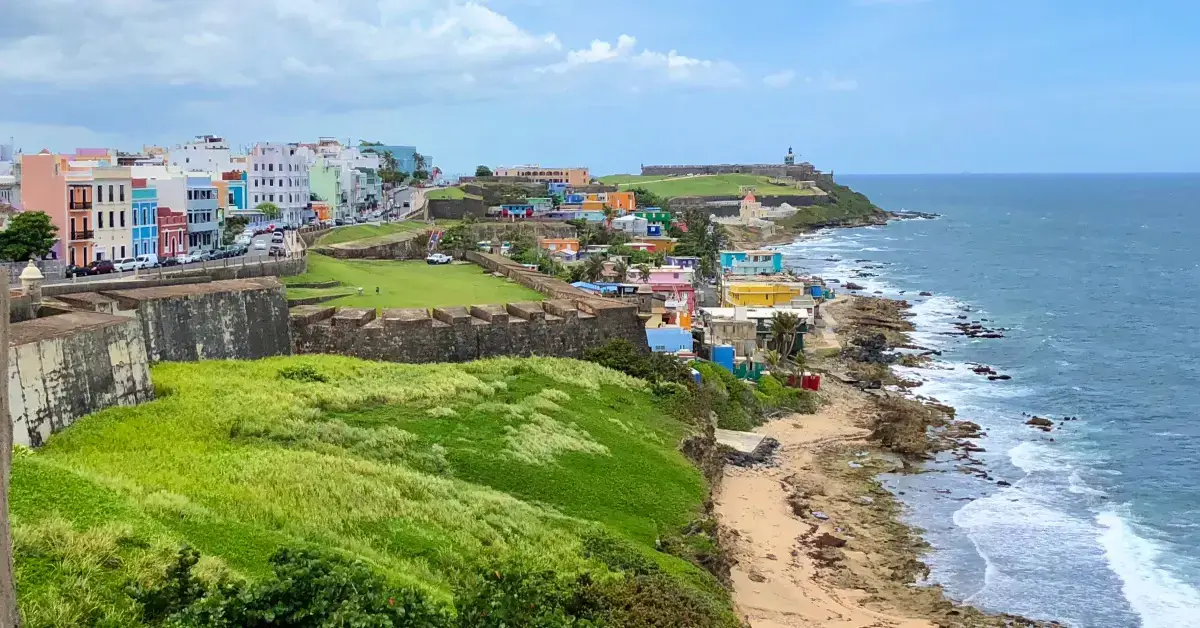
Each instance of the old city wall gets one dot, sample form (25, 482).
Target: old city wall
(505, 229)
(558, 327)
(800, 172)
(725, 206)
(456, 208)
(242, 319)
(67, 366)
(404, 245)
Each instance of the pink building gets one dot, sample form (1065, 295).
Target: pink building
(44, 189)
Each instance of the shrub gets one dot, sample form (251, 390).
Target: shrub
(508, 595)
(302, 373)
(734, 402)
(620, 355)
(307, 589)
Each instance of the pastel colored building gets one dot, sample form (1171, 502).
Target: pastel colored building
(686, 261)
(655, 245)
(635, 226)
(237, 197)
(663, 275)
(279, 175)
(516, 210)
(573, 177)
(558, 189)
(145, 218)
(172, 232)
(541, 205)
(655, 216)
(44, 189)
(202, 227)
(752, 262)
(553, 245)
(669, 339)
(208, 154)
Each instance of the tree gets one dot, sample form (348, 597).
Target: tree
(593, 268)
(233, 227)
(609, 214)
(389, 170)
(29, 235)
(784, 327)
(645, 198)
(643, 272)
(622, 271)
(269, 210)
(483, 171)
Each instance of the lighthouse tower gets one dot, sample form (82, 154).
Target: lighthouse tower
(790, 158)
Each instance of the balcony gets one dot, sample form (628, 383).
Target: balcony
(80, 205)
(82, 235)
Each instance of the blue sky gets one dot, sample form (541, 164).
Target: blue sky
(856, 86)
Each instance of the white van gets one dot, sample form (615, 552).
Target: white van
(147, 260)
(126, 264)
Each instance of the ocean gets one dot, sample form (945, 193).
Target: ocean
(1097, 280)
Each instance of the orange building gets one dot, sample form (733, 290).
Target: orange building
(654, 245)
(554, 245)
(574, 177)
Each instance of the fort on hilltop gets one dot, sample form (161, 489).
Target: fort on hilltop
(802, 171)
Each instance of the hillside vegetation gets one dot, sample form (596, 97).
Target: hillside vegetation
(362, 232)
(704, 185)
(507, 492)
(450, 193)
(845, 207)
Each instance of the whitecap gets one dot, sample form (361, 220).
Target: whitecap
(1160, 598)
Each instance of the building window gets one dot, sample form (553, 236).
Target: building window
(271, 167)
(99, 220)
(111, 223)
(256, 200)
(122, 221)
(122, 251)
(99, 194)
(256, 167)
(122, 193)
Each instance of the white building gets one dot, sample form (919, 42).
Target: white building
(208, 153)
(171, 184)
(635, 226)
(279, 174)
(112, 212)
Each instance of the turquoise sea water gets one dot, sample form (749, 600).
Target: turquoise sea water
(1098, 280)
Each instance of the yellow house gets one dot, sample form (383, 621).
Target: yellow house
(748, 294)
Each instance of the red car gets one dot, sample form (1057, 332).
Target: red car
(101, 267)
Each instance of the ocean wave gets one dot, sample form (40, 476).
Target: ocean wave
(1160, 598)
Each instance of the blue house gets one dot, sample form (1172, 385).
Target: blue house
(558, 189)
(669, 339)
(752, 262)
(145, 220)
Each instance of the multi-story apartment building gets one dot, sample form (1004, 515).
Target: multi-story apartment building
(10, 177)
(113, 204)
(172, 232)
(573, 177)
(144, 218)
(208, 153)
(202, 214)
(279, 174)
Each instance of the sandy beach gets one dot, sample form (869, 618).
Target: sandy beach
(816, 541)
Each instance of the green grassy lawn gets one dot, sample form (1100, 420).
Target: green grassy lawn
(450, 194)
(410, 284)
(304, 293)
(714, 185)
(362, 232)
(425, 472)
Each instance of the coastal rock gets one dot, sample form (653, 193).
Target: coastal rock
(1038, 421)
(828, 540)
(1003, 483)
(999, 377)
(850, 285)
(926, 294)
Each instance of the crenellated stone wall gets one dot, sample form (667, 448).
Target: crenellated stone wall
(558, 327)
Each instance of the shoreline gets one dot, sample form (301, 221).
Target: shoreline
(815, 538)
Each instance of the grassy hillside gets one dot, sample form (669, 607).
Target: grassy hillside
(451, 193)
(407, 284)
(845, 207)
(704, 185)
(362, 232)
(427, 473)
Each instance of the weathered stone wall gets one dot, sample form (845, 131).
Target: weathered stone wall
(455, 208)
(532, 279)
(506, 229)
(561, 327)
(242, 319)
(404, 245)
(67, 366)
(725, 206)
(801, 171)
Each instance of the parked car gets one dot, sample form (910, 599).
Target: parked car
(278, 237)
(147, 260)
(101, 267)
(170, 261)
(260, 245)
(439, 258)
(126, 264)
(189, 258)
(277, 251)
(77, 271)
(407, 204)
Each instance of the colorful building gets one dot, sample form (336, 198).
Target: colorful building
(752, 262)
(145, 218)
(635, 226)
(685, 261)
(655, 244)
(554, 245)
(516, 210)
(541, 205)
(202, 219)
(654, 215)
(753, 294)
(44, 189)
(573, 177)
(172, 232)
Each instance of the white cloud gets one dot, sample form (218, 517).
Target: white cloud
(342, 48)
(671, 65)
(779, 80)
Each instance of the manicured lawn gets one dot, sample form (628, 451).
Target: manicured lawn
(450, 194)
(706, 185)
(411, 284)
(425, 472)
(362, 232)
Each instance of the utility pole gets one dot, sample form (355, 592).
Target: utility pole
(10, 617)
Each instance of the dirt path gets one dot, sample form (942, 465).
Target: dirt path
(776, 583)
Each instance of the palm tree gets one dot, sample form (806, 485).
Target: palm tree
(609, 213)
(622, 271)
(643, 272)
(784, 327)
(593, 267)
(775, 361)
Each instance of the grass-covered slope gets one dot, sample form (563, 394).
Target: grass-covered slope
(704, 185)
(425, 472)
(351, 233)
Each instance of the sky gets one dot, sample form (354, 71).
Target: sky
(854, 86)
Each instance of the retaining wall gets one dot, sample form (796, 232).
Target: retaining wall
(67, 366)
(404, 245)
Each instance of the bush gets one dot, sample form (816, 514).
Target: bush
(775, 396)
(735, 403)
(621, 355)
(302, 373)
(508, 595)
(307, 589)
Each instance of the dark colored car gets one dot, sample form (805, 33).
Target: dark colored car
(101, 267)
(170, 261)
(77, 271)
